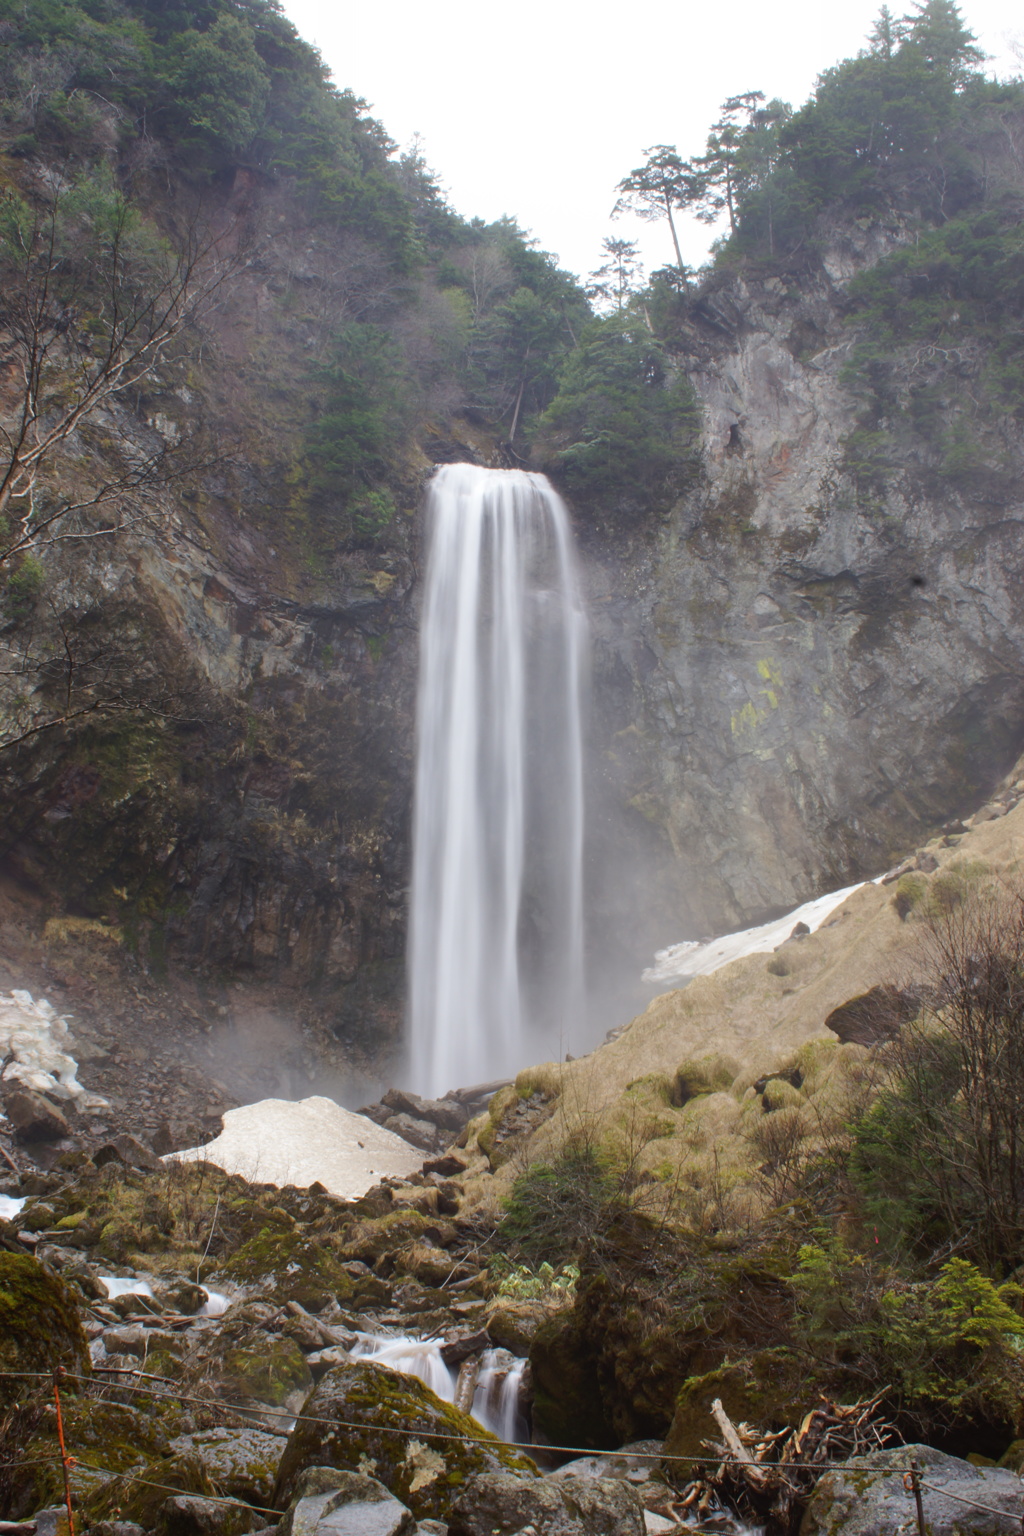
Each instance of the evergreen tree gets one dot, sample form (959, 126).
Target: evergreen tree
(664, 185)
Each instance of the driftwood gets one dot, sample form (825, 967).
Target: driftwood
(768, 1476)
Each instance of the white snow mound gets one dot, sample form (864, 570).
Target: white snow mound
(680, 962)
(303, 1142)
(40, 1041)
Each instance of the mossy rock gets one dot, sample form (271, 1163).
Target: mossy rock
(568, 1406)
(243, 1462)
(268, 1370)
(40, 1325)
(139, 1495)
(513, 1324)
(392, 1427)
(771, 1389)
(309, 1265)
(1013, 1458)
(369, 1240)
(425, 1262)
(105, 1439)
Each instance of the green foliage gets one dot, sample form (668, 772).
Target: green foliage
(948, 308)
(553, 1208)
(937, 1158)
(24, 585)
(221, 86)
(361, 411)
(946, 1347)
(517, 1282)
(892, 127)
(623, 422)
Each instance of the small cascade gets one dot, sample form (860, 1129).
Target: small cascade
(496, 1404)
(411, 1356)
(496, 920)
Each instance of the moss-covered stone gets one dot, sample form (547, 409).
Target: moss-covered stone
(771, 1389)
(568, 1406)
(369, 1240)
(243, 1462)
(139, 1494)
(106, 1439)
(40, 1326)
(366, 1418)
(269, 1370)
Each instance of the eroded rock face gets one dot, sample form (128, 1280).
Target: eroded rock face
(793, 679)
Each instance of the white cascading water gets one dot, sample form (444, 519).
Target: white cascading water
(496, 1397)
(496, 942)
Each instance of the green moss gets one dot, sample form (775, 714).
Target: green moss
(397, 1430)
(40, 1325)
(106, 1438)
(269, 1373)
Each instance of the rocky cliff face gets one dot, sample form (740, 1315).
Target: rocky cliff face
(795, 678)
(792, 678)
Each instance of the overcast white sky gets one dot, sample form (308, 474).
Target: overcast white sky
(537, 109)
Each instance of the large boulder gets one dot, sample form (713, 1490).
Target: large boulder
(40, 1326)
(497, 1504)
(106, 1440)
(332, 1503)
(366, 1418)
(867, 1497)
(773, 1388)
(242, 1462)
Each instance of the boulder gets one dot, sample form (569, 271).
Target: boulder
(141, 1493)
(242, 1462)
(186, 1514)
(267, 1368)
(873, 1016)
(418, 1133)
(106, 1439)
(497, 1504)
(866, 1497)
(345, 1504)
(513, 1323)
(128, 1151)
(40, 1325)
(35, 1118)
(446, 1114)
(364, 1417)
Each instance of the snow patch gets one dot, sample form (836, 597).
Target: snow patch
(681, 962)
(11, 1207)
(303, 1142)
(40, 1041)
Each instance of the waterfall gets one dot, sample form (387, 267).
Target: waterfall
(496, 942)
(496, 1398)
